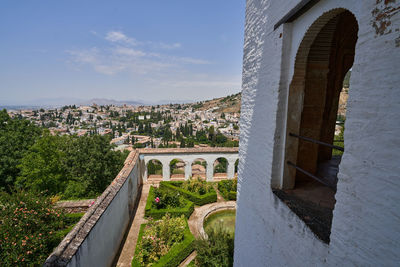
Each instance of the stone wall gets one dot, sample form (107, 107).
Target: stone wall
(97, 237)
(366, 219)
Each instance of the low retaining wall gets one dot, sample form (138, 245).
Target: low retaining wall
(96, 239)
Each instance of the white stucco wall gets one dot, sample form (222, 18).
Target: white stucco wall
(366, 219)
(102, 244)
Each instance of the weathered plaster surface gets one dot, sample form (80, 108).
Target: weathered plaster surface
(366, 219)
(96, 238)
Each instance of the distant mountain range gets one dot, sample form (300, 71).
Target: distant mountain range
(62, 101)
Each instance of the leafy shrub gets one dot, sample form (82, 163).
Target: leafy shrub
(163, 243)
(29, 227)
(228, 189)
(198, 199)
(164, 199)
(216, 251)
(197, 186)
(221, 166)
(156, 209)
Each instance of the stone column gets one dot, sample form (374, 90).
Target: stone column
(188, 170)
(145, 173)
(166, 171)
(210, 171)
(230, 172)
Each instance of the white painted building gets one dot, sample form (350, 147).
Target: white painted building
(296, 54)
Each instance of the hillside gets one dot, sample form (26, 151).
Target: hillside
(228, 104)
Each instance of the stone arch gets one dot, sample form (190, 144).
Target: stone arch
(199, 168)
(220, 168)
(325, 55)
(313, 70)
(177, 167)
(154, 169)
(236, 167)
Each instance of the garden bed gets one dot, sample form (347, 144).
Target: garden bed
(228, 189)
(195, 190)
(155, 237)
(175, 205)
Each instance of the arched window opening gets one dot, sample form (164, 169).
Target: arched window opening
(177, 169)
(220, 169)
(154, 170)
(314, 137)
(199, 169)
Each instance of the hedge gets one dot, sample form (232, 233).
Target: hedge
(187, 210)
(223, 189)
(175, 255)
(195, 198)
(232, 195)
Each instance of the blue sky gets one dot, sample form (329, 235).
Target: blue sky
(124, 50)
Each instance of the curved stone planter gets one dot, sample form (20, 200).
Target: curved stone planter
(196, 221)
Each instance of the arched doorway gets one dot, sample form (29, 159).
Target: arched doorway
(220, 169)
(199, 168)
(177, 170)
(324, 57)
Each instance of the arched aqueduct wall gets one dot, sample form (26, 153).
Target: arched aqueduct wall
(188, 156)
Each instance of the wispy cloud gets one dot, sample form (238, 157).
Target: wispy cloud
(119, 37)
(126, 54)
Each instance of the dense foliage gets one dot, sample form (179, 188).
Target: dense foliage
(198, 186)
(228, 189)
(202, 186)
(154, 167)
(162, 201)
(166, 199)
(72, 166)
(29, 228)
(216, 251)
(158, 237)
(221, 166)
(16, 137)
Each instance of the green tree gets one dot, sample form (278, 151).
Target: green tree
(75, 167)
(182, 145)
(43, 167)
(16, 137)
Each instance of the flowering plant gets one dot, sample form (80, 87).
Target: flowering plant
(158, 238)
(29, 226)
(166, 199)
